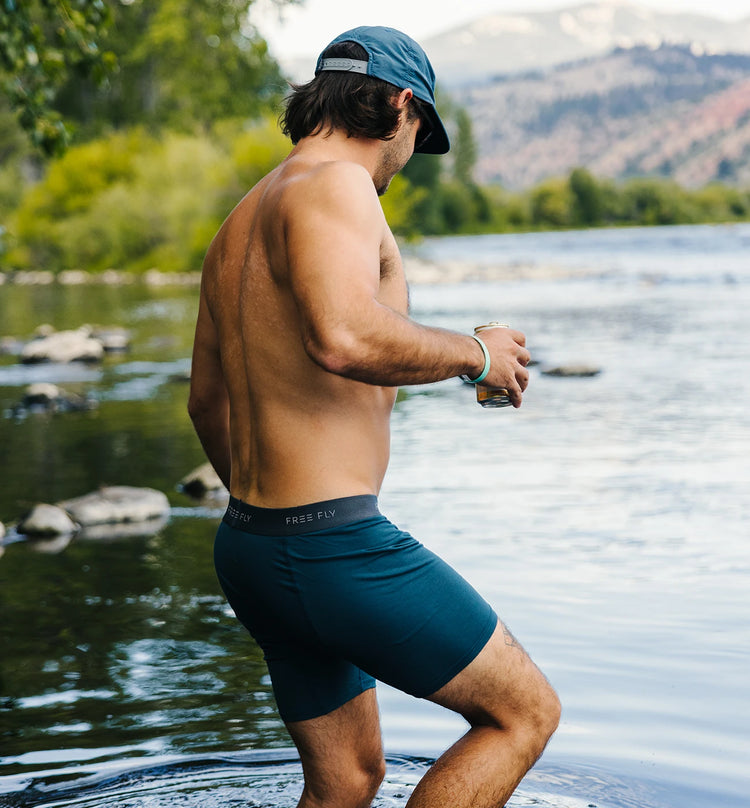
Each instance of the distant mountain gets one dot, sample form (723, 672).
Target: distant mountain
(671, 111)
(507, 43)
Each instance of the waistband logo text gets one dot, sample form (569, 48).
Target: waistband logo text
(302, 518)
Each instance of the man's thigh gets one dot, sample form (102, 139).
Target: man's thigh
(501, 686)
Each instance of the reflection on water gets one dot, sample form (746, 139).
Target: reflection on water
(606, 521)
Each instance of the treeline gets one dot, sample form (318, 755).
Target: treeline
(431, 204)
(135, 200)
(581, 200)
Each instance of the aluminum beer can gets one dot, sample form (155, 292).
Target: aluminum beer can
(492, 396)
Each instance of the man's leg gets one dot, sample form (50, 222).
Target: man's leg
(513, 712)
(342, 755)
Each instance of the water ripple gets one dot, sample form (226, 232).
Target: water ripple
(273, 779)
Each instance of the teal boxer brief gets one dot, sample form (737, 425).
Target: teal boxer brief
(337, 597)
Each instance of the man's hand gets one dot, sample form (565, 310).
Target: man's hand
(508, 360)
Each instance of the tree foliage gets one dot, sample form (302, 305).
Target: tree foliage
(41, 44)
(93, 65)
(180, 64)
(132, 200)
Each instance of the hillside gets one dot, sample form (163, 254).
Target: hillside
(671, 111)
(516, 42)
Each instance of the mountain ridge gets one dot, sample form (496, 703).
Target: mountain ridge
(512, 42)
(669, 112)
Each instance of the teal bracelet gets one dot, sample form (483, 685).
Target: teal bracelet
(486, 368)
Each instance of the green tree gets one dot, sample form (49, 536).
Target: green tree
(423, 173)
(651, 201)
(133, 201)
(98, 65)
(41, 43)
(551, 203)
(464, 149)
(587, 208)
(180, 63)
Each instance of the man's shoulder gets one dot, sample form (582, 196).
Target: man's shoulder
(331, 183)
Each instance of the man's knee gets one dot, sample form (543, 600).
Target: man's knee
(548, 711)
(539, 718)
(352, 786)
(370, 777)
(533, 715)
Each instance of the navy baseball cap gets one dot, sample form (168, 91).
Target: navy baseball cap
(396, 58)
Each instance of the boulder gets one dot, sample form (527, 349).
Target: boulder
(113, 338)
(63, 346)
(46, 397)
(46, 520)
(117, 504)
(41, 393)
(2, 530)
(572, 370)
(201, 482)
(181, 378)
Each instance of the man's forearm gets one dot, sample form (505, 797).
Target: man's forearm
(392, 350)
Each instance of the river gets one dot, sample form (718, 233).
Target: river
(606, 521)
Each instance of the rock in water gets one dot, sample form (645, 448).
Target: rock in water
(112, 338)
(63, 346)
(115, 504)
(201, 482)
(114, 531)
(42, 394)
(46, 520)
(572, 370)
(46, 397)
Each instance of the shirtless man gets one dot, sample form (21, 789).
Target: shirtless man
(303, 337)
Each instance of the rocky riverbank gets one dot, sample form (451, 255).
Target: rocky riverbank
(418, 271)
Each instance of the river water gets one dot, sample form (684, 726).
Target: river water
(606, 521)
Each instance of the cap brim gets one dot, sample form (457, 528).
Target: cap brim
(437, 141)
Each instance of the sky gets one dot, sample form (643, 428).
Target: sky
(304, 30)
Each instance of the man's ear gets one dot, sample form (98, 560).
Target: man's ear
(403, 98)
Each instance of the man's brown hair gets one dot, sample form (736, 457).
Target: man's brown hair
(360, 105)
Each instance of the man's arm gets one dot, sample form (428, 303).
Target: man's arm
(208, 404)
(334, 228)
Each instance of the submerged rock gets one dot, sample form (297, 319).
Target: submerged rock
(46, 520)
(201, 482)
(47, 397)
(84, 344)
(572, 370)
(63, 347)
(113, 338)
(117, 504)
(50, 545)
(110, 512)
(121, 530)
(180, 378)
(41, 393)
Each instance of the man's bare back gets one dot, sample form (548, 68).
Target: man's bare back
(299, 433)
